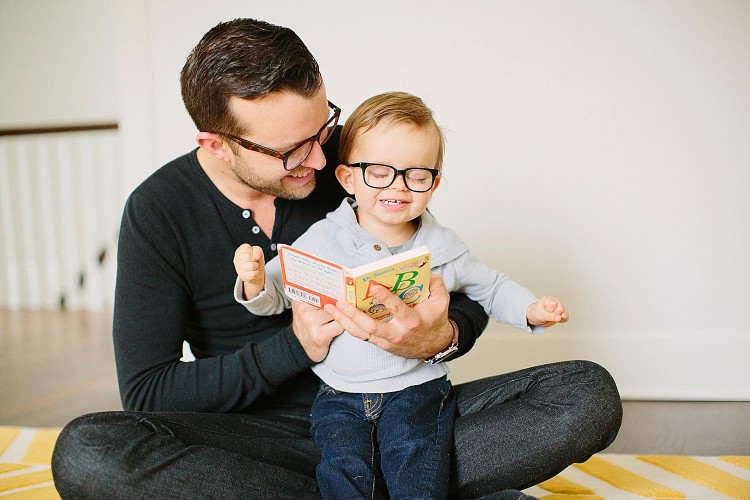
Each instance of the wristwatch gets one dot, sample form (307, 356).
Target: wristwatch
(449, 351)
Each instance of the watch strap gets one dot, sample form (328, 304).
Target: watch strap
(450, 350)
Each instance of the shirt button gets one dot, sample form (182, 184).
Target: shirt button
(255, 229)
(378, 248)
(246, 214)
(273, 246)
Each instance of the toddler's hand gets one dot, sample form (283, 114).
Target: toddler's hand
(548, 311)
(249, 264)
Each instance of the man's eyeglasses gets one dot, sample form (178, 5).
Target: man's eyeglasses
(299, 153)
(379, 176)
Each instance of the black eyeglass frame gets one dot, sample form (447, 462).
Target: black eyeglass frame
(363, 165)
(284, 157)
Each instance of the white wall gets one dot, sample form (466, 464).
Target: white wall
(57, 63)
(598, 151)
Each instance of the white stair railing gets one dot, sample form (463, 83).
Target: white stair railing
(59, 218)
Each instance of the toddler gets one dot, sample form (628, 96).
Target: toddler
(380, 417)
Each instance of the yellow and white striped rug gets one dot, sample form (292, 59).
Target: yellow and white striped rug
(25, 463)
(25, 474)
(615, 477)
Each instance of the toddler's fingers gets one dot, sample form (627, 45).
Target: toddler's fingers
(550, 304)
(250, 266)
(551, 312)
(243, 255)
(554, 318)
(257, 254)
(243, 249)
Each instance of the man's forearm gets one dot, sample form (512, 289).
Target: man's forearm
(471, 320)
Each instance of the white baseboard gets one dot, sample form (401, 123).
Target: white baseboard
(680, 367)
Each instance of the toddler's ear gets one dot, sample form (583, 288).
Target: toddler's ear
(345, 176)
(437, 182)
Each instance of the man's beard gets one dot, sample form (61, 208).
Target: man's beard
(274, 188)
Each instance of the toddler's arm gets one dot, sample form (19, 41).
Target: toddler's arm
(249, 264)
(502, 298)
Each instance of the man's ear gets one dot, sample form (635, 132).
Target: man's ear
(213, 144)
(346, 178)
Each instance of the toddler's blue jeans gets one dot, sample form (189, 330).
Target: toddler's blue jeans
(406, 436)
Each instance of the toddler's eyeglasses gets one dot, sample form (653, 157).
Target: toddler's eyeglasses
(299, 153)
(379, 176)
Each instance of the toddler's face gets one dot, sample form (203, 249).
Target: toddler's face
(401, 146)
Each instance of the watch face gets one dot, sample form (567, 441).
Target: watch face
(449, 351)
(442, 355)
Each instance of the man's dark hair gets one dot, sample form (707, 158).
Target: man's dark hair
(247, 59)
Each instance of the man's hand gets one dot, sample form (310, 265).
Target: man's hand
(315, 329)
(413, 332)
(548, 311)
(249, 264)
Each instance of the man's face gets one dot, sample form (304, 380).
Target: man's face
(279, 121)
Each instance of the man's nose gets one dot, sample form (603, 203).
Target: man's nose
(316, 159)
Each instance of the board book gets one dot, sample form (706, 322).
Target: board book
(318, 281)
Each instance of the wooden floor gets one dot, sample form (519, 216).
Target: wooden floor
(56, 366)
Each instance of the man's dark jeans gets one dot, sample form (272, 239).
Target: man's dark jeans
(511, 431)
(406, 435)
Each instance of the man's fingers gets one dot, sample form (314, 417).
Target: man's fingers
(438, 297)
(354, 321)
(401, 310)
(345, 314)
(437, 285)
(314, 328)
(320, 316)
(391, 301)
(403, 333)
(314, 316)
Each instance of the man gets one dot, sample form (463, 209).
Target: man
(235, 422)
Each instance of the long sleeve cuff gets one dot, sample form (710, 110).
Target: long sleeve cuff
(521, 321)
(266, 303)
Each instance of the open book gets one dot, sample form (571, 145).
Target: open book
(319, 282)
